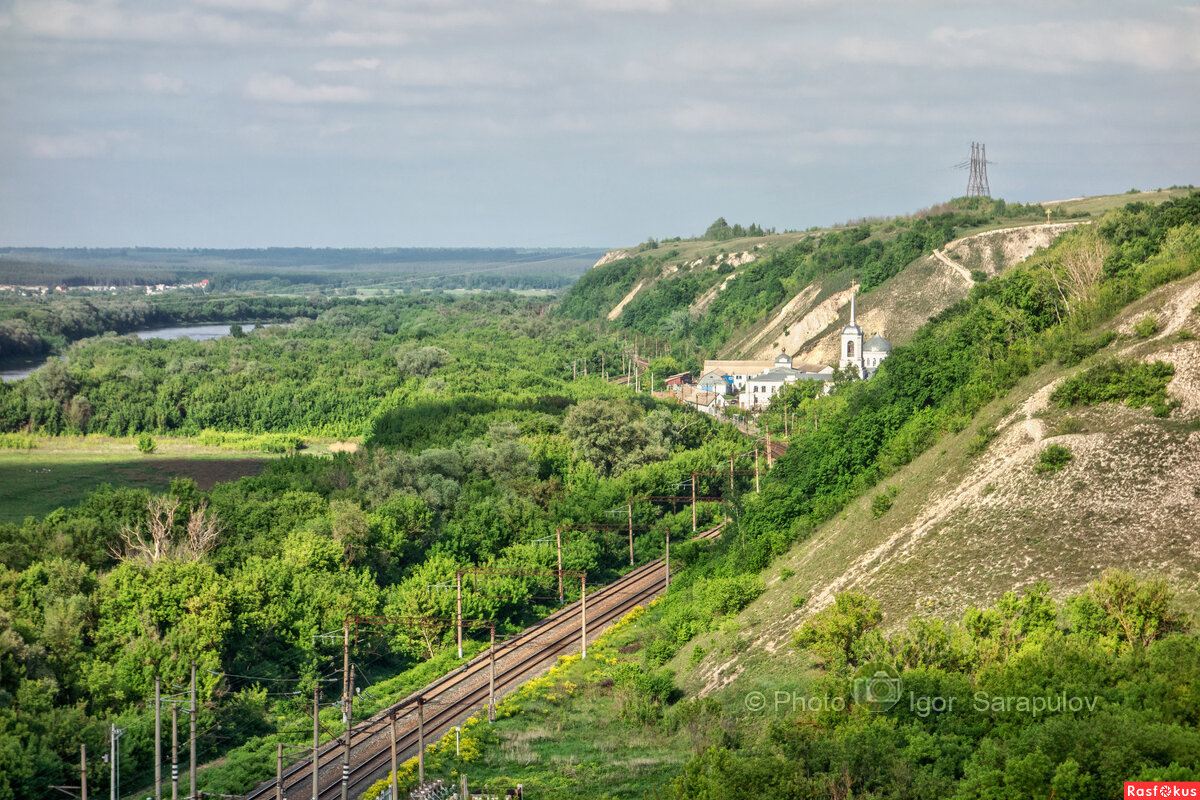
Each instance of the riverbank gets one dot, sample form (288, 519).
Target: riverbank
(18, 369)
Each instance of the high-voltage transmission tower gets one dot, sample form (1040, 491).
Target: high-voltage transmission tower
(977, 181)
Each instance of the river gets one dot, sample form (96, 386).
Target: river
(16, 369)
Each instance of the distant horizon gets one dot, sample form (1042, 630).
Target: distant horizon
(589, 247)
(304, 247)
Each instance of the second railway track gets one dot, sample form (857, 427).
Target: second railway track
(454, 696)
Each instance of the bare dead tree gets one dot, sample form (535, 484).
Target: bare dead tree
(151, 543)
(201, 533)
(1082, 266)
(1084, 263)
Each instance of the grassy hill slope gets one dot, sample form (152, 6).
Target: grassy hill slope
(967, 525)
(933, 492)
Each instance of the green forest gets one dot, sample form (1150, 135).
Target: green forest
(477, 442)
(479, 435)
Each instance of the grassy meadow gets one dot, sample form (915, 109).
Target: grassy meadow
(60, 471)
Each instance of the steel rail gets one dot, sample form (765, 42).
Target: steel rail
(372, 731)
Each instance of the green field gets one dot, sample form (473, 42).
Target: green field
(61, 471)
(1107, 202)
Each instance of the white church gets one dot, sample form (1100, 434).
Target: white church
(756, 382)
(864, 357)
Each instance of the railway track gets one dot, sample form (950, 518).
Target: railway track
(453, 697)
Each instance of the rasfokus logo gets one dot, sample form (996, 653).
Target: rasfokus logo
(877, 686)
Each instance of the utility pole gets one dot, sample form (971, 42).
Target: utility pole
(492, 677)
(756, 489)
(392, 730)
(157, 738)
(174, 751)
(192, 768)
(458, 606)
(630, 504)
(347, 706)
(83, 772)
(667, 560)
(420, 740)
(731, 472)
(279, 772)
(114, 757)
(558, 543)
(316, 740)
(693, 502)
(769, 459)
(583, 609)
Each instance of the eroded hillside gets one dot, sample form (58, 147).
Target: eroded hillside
(896, 309)
(969, 523)
(649, 290)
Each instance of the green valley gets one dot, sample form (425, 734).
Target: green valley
(997, 527)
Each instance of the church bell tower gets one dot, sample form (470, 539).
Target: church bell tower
(852, 343)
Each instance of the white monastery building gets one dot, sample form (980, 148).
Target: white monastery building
(866, 357)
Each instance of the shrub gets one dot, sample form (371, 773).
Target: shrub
(1138, 384)
(1071, 350)
(659, 652)
(786, 573)
(981, 440)
(145, 443)
(642, 694)
(1146, 327)
(881, 503)
(1069, 425)
(1052, 459)
(16, 441)
(978, 275)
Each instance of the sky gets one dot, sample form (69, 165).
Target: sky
(391, 123)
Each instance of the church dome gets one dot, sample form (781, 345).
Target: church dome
(852, 330)
(877, 344)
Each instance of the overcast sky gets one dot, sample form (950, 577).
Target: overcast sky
(219, 123)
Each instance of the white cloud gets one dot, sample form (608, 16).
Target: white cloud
(90, 144)
(721, 118)
(334, 65)
(282, 89)
(105, 20)
(158, 83)
(5, 21)
(273, 6)
(1044, 47)
(627, 6)
(354, 23)
(453, 72)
